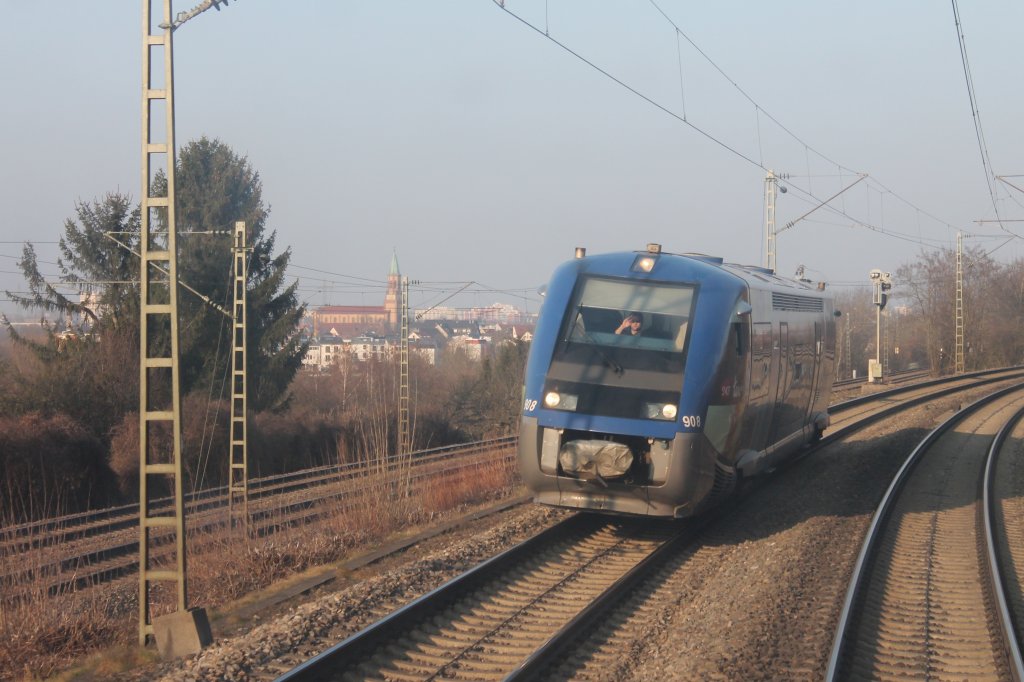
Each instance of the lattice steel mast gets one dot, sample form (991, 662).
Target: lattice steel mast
(238, 481)
(404, 435)
(159, 396)
(771, 194)
(958, 358)
(159, 356)
(849, 351)
(886, 343)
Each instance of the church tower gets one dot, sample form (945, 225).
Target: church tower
(392, 302)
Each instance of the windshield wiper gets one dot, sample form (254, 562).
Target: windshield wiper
(595, 346)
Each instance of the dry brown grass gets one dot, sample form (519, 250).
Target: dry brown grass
(468, 485)
(43, 634)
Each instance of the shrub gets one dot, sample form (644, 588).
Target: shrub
(50, 465)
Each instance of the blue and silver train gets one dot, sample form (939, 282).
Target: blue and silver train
(656, 381)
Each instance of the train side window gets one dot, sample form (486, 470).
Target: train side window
(762, 351)
(739, 331)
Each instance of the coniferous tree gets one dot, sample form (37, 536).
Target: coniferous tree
(96, 260)
(216, 188)
(86, 365)
(99, 259)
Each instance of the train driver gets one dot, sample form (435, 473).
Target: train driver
(631, 325)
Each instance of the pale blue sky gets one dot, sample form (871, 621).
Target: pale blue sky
(480, 150)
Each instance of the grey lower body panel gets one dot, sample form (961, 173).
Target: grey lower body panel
(687, 473)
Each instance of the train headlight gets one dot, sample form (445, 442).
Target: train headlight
(561, 401)
(665, 411)
(644, 263)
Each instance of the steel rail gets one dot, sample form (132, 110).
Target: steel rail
(267, 521)
(997, 581)
(900, 376)
(305, 511)
(532, 667)
(1012, 371)
(84, 524)
(879, 520)
(69, 524)
(77, 525)
(899, 407)
(577, 626)
(320, 666)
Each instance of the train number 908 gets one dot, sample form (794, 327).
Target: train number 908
(691, 422)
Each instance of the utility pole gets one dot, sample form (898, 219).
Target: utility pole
(771, 194)
(882, 282)
(894, 336)
(849, 349)
(238, 470)
(159, 399)
(185, 630)
(886, 344)
(958, 358)
(404, 437)
(839, 353)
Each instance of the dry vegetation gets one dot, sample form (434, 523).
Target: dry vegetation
(57, 457)
(44, 634)
(920, 315)
(64, 447)
(69, 426)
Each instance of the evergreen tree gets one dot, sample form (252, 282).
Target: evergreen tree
(99, 258)
(96, 261)
(215, 188)
(490, 403)
(87, 364)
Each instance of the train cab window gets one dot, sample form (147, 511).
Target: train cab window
(601, 306)
(618, 369)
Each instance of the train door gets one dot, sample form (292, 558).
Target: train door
(782, 361)
(783, 364)
(818, 359)
(762, 394)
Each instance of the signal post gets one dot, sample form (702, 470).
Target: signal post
(883, 283)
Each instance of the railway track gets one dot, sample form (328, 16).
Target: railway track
(499, 616)
(447, 634)
(62, 529)
(847, 418)
(901, 377)
(85, 550)
(890, 401)
(928, 596)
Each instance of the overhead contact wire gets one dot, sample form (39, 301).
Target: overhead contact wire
(720, 143)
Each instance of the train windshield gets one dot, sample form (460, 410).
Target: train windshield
(623, 345)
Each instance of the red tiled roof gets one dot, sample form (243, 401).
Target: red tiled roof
(349, 309)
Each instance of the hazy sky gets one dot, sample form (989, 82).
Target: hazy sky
(480, 150)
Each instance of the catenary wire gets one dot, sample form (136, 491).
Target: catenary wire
(723, 144)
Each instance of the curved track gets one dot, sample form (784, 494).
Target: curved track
(925, 601)
(83, 550)
(886, 402)
(446, 634)
(492, 619)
